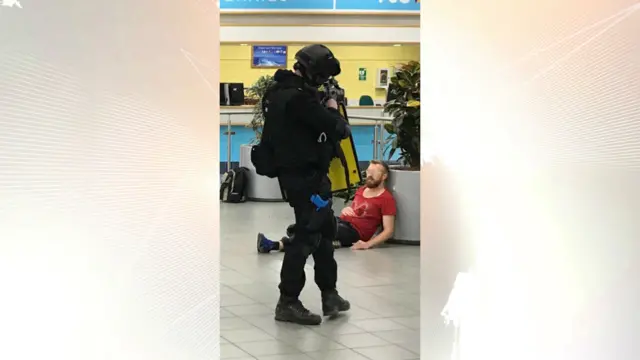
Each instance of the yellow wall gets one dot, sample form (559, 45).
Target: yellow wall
(235, 64)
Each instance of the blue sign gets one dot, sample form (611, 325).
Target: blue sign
(269, 57)
(378, 5)
(277, 4)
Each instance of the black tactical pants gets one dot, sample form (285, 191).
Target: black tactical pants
(346, 234)
(314, 232)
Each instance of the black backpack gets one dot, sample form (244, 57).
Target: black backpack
(263, 160)
(233, 187)
(262, 154)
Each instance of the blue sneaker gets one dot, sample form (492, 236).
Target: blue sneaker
(263, 244)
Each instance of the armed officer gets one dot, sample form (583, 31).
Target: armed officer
(300, 133)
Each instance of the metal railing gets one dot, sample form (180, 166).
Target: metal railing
(378, 131)
(377, 142)
(230, 133)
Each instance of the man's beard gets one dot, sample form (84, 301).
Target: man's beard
(371, 183)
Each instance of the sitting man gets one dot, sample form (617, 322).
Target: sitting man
(372, 206)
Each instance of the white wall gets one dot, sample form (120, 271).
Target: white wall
(307, 19)
(309, 34)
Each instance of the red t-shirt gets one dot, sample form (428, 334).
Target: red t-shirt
(369, 212)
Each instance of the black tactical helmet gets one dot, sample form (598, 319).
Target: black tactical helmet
(317, 64)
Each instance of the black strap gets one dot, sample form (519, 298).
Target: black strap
(341, 156)
(265, 138)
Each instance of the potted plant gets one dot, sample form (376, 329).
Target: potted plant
(260, 188)
(404, 137)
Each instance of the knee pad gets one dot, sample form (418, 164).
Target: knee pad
(287, 240)
(305, 241)
(314, 240)
(291, 229)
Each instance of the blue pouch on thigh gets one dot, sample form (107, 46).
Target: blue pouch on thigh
(322, 212)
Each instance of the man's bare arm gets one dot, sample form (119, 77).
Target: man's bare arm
(388, 226)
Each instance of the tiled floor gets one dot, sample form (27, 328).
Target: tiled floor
(382, 286)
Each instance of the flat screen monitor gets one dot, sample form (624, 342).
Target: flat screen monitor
(269, 56)
(231, 94)
(236, 94)
(223, 94)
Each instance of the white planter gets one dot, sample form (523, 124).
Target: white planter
(261, 188)
(405, 186)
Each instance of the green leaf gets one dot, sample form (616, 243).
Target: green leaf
(392, 152)
(389, 128)
(404, 110)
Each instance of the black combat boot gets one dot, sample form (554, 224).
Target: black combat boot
(292, 310)
(333, 304)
